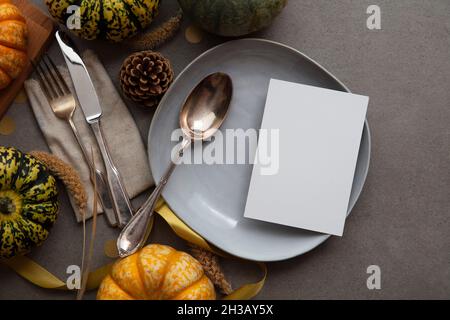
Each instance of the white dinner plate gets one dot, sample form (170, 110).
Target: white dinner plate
(211, 198)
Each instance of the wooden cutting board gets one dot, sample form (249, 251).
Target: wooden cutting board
(40, 28)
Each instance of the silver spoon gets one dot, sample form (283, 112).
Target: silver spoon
(202, 114)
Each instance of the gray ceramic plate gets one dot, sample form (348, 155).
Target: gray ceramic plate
(211, 198)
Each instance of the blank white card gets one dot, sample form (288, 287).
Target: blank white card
(319, 137)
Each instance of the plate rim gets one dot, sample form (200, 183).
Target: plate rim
(310, 60)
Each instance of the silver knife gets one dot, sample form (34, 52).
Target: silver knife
(92, 110)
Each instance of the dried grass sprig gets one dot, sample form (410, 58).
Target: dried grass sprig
(156, 37)
(90, 253)
(211, 266)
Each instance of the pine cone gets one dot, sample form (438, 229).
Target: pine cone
(145, 77)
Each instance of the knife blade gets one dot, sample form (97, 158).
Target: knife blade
(87, 96)
(90, 104)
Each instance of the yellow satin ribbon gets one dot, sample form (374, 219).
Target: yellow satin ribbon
(38, 275)
(41, 277)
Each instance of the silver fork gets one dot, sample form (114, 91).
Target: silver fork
(63, 104)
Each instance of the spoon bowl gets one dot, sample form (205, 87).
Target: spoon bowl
(206, 107)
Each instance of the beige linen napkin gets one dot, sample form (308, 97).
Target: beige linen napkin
(122, 135)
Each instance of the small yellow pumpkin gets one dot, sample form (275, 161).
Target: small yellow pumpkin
(157, 272)
(13, 43)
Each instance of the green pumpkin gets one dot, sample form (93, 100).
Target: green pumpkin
(28, 202)
(232, 18)
(114, 20)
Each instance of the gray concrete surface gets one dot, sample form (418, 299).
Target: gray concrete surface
(401, 222)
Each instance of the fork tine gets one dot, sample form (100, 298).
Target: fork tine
(53, 80)
(58, 74)
(42, 81)
(47, 81)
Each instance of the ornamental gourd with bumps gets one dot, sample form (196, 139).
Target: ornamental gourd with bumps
(28, 202)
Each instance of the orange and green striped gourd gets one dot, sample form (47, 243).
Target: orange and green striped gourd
(114, 20)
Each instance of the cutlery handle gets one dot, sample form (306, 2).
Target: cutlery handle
(102, 188)
(135, 233)
(121, 201)
(105, 200)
